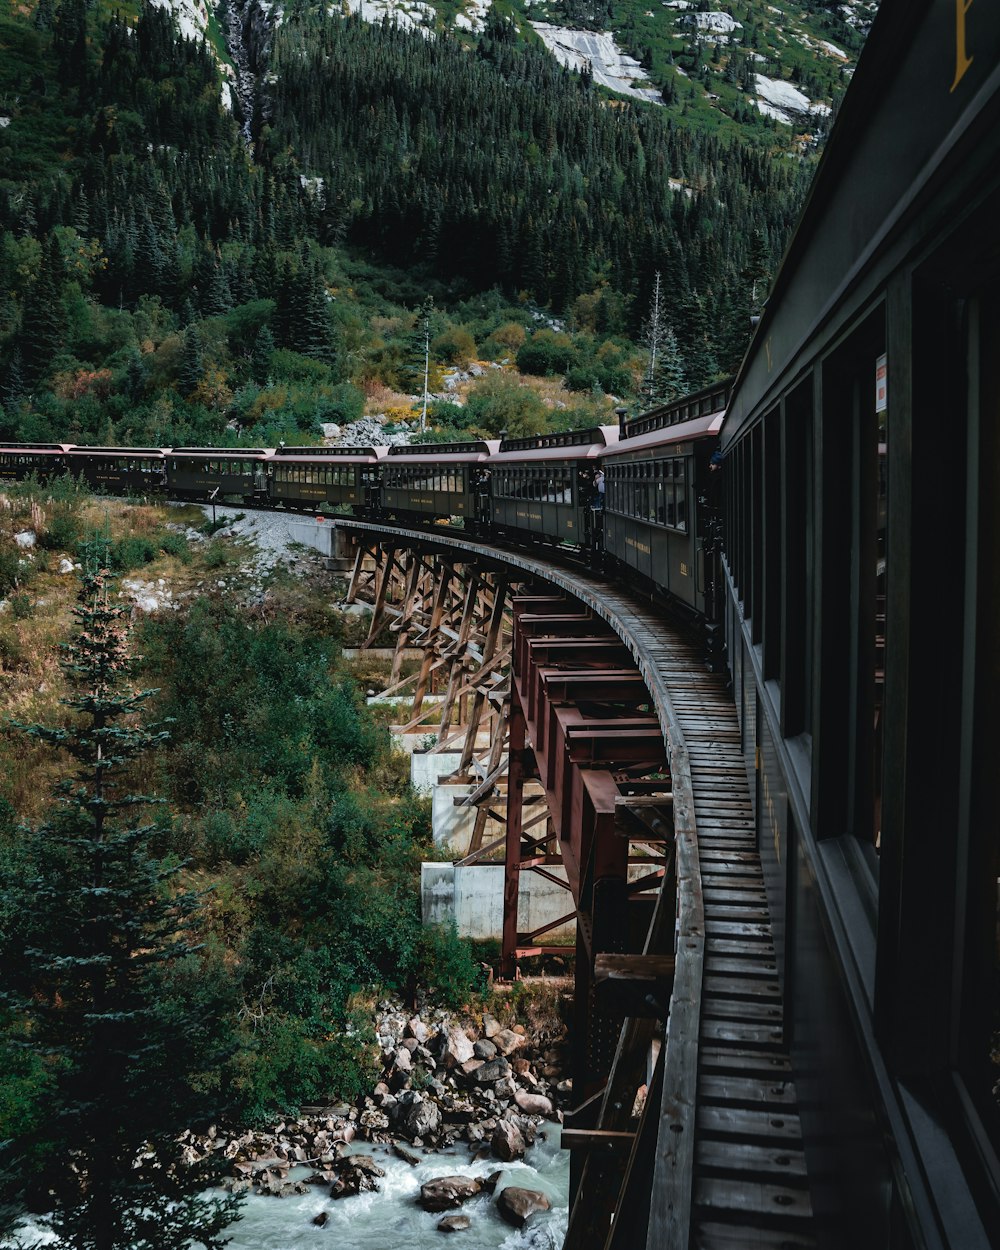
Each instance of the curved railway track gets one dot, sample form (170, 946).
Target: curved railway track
(716, 1161)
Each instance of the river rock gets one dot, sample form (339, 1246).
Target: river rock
(321, 1219)
(507, 1041)
(494, 1070)
(533, 1104)
(451, 1047)
(484, 1049)
(517, 1206)
(421, 1119)
(406, 1155)
(357, 1174)
(491, 1026)
(454, 1224)
(508, 1141)
(445, 1192)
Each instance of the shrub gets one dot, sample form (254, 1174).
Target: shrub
(546, 353)
(499, 402)
(61, 533)
(176, 545)
(21, 607)
(455, 345)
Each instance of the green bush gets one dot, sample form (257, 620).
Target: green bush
(61, 533)
(343, 404)
(499, 402)
(176, 545)
(21, 607)
(546, 353)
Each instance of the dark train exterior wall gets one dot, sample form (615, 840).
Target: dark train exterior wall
(862, 622)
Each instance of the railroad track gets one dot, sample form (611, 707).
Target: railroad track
(719, 1151)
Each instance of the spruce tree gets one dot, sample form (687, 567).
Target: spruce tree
(98, 938)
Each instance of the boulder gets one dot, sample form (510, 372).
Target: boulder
(484, 1049)
(494, 1070)
(321, 1219)
(416, 1028)
(454, 1224)
(452, 1047)
(491, 1026)
(356, 1174)
(421, 1119)
(507, 1041)
(517, 1206)
(508, 1141)
(533, 1104)
(445, 1192)
(406, 1155)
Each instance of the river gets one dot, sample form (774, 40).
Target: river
(392, 1220)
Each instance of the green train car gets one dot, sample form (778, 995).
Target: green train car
(312, 478)
(117, 470)
(438, 480)
(217, 473)
(652, 481)
(547, 486)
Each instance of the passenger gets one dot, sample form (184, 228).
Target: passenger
(597, 503)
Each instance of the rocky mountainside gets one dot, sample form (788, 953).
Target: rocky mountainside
(725, 63)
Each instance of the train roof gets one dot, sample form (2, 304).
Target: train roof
(46, 449)
(567, 445)
(316, 453)
(710, 399)
(669, 436)
(450, 453)
(311, 454)
(907, 123)
(240, 452)
(75, 450)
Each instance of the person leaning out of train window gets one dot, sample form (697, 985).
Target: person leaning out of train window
(597, 501)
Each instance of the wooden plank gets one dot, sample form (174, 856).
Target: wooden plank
(717, 1236)
(742, 987)
(723, 945)
(731, 1059)
(752, 1197)
(750, 968)
(722, 1157)
(733, 1009)
(758, 1126)
(742, 1033)
(746, 1091)
(603, 1141)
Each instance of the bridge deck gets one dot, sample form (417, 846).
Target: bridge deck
(728, 1171)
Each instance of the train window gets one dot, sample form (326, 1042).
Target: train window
(797, 535)
(680, 495)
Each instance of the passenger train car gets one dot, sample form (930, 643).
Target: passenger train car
(660, 498)
(862, 565)
(545, 485)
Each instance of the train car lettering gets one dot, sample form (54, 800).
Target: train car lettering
(962, 59)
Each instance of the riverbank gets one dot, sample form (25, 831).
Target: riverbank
(473, 1091)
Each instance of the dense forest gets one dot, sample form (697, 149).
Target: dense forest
(163, 280)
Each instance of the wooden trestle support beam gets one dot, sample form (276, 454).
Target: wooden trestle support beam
(457, 614)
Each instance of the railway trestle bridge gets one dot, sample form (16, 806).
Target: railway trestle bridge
(597, 751)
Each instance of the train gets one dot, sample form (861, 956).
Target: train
(832, 515)
(635, 495)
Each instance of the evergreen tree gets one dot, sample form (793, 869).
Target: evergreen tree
(192, 361)
(260, 358)
(98, 931)
(43, 323)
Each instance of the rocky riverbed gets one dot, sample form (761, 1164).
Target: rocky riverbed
(470, 1093)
